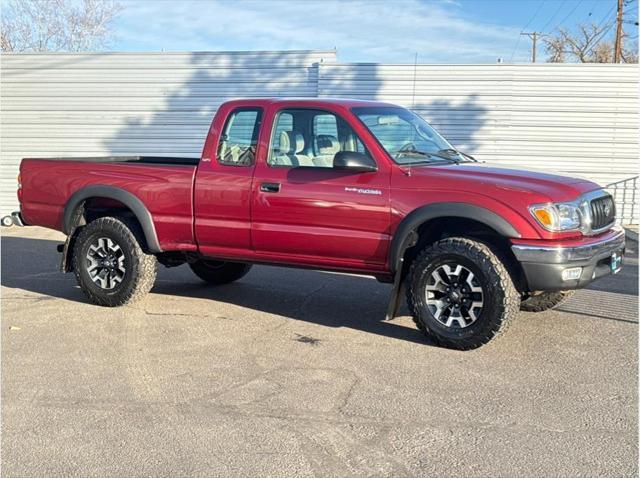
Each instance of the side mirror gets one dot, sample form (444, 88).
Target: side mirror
(352, 161)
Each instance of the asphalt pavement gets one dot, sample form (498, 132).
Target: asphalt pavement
(295, 373)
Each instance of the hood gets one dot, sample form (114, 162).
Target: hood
(489, 180)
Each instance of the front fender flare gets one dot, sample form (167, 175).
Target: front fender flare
(136, 206)
(444, 209)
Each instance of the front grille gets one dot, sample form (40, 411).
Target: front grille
(603, 212)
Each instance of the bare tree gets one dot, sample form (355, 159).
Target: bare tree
(556, 49)
(629, 48)
(589, 44)
(602, 52)
(56, 25)
(566, 45)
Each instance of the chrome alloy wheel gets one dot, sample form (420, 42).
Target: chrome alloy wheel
(454, 295)
(105, 263)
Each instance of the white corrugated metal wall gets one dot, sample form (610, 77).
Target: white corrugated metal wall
(86, 104)
(576, 119)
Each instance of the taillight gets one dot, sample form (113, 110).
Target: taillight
(19, 188)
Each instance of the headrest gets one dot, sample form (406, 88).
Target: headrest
(285, 144)
(291, 142)
(327, 144)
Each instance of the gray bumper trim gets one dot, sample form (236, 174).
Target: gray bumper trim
(16, 216)
(563, 255)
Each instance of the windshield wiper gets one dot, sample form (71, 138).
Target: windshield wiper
(455, 151)
(409, 152)
(415, 152)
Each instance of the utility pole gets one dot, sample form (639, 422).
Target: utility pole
(617, 53)
(534, 37)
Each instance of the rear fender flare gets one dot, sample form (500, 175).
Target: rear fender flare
(136, 206)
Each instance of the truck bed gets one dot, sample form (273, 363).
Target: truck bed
(163, 184)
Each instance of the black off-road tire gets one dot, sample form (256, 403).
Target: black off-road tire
(141, 267)
(501, 300)
(219, 272)
(545, 300)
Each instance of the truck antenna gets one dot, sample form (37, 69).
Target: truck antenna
(415, 71)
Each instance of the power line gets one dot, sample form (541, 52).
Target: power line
(591, 7)
(553, 16)
(524, 27)
(599, 37)
(534, 15)
(606, 17)
(606, 30)
(568, 15)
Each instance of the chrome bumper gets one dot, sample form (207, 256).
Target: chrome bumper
(563, 255)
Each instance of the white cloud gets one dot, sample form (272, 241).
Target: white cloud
(372, 31)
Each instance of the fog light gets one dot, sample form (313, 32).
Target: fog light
(572, 274)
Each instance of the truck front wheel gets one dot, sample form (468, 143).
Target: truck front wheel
(460, 294)
(110, 266)
(219, 272)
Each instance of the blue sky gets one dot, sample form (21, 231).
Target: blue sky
(439, 31)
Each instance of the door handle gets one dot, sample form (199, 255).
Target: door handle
(270, 187)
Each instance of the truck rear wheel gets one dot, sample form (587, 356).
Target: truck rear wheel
(460, 294)
(109, 264)
(219, 272)
(544, 300)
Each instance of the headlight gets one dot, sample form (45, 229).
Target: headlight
(558, 217)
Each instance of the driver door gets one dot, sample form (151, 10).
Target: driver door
(304, 210)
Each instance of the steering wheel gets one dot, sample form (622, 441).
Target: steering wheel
(408, 148)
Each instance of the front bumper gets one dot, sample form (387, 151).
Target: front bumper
(543, 265)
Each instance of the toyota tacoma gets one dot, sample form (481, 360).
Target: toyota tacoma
(333, 184)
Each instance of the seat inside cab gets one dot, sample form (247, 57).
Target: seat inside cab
(310, 138)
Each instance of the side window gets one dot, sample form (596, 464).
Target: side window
(311, 138)
(325, 124)
(240, 136)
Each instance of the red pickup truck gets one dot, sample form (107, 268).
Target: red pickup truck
(343, 185)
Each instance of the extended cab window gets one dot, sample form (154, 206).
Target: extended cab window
(307, 137)
(239, 138)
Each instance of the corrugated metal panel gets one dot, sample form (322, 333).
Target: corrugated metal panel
(131, 103)
(576, 119)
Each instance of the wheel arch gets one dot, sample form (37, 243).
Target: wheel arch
(408, 235)
(74, 210)
(407, 231)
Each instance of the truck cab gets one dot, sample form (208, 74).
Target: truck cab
(267, 188)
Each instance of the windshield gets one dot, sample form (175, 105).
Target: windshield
(406, 136)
